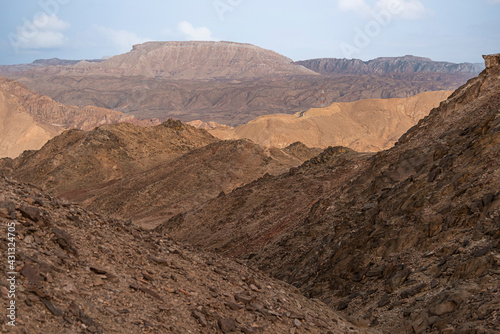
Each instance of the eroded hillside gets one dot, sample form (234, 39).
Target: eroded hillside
(405, 240)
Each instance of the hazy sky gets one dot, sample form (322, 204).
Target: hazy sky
(452, 30)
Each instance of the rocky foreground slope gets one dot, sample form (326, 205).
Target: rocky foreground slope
(403, 241)
(81, 272)
(365, 126)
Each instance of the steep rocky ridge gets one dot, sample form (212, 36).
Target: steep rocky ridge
(156, 195)
(82, 272)
(365, 126)
(385, 65)
(403, 241)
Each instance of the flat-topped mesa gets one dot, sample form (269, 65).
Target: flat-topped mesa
(492, 60)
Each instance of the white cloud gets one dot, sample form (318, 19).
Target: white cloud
(402, 9)
(195, 34)
(44, 32)
(122, 40)
(358, 6)
(52, 22)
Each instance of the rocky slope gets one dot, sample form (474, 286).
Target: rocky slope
(402, 241)
(365, 126)
(386, 65)
(29, 119)
(156, 195)
(81, 272)
(229, 83)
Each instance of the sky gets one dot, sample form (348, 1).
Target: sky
(448, 30)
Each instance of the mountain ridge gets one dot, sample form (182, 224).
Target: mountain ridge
(386, 65)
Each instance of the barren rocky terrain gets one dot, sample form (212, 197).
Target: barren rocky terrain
(405, 240)
(365, 126)
(148, 173)
(82, 272)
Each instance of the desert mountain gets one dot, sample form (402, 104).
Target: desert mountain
(29, 119)
(180, 60)
(387, 65)
(228, 83)
(403, 241)
(83, 272)
(365, 126)
(199, 60)
(149, 174)
(78, 160)
(18, 130)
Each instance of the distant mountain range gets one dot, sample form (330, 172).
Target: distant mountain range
(387, 65)
(226, 82)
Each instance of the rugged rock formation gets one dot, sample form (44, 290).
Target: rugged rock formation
(156, 195)
(365, 126)
(386, 65)
(403, 241)
(84, 272)
(492, 60)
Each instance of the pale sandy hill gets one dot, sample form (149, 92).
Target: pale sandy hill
(19, 131)
(28, 120)
(366, 125)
